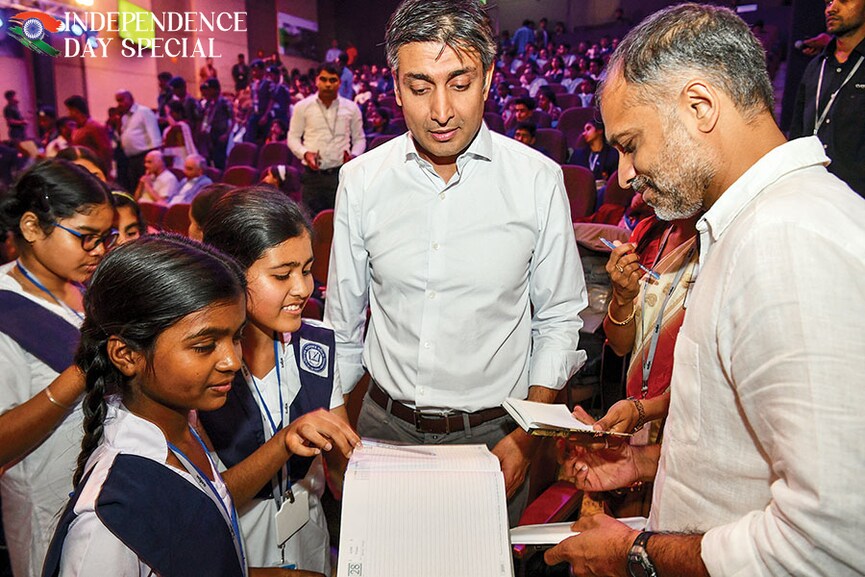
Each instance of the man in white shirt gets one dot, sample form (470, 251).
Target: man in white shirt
(762, 461)
(139, 133)
(325, 132)
(158, 184)
(459, 241)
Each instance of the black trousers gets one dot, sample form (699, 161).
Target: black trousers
(319, 189)
(135, 170)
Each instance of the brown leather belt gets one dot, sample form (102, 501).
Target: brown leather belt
(431, 423)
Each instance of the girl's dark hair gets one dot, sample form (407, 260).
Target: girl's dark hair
(52, 190)
(139, 290)
(73, 153)
(206, 198)
(246, 222)
(123, 198)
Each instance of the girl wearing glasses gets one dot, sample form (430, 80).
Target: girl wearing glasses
(61, 217)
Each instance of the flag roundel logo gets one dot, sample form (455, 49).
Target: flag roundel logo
(33, 29)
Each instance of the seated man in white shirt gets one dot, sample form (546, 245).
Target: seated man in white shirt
(760, 470)
(158, 184)
(193, 182)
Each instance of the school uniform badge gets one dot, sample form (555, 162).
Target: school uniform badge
(314, 357)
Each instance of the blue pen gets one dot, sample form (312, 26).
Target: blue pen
(649, 272)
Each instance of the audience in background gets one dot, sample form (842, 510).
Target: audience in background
(193, 181)
(65, 127)
(139, 134)
(89, 132)
(14, 120)
(326, 131)
(157, 184)
(216, 123)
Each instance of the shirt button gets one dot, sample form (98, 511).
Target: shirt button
(838, 70)
(426, 345)
(421, 391)
(442, 196)
(432, 295)
(825, 147)
(435, 246)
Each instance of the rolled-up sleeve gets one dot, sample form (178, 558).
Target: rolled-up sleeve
(558, 291)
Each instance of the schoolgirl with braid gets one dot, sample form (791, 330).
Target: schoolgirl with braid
(164, 321)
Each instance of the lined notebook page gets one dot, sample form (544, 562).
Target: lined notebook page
(432, 513)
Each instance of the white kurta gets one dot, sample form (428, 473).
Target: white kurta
(763, 445)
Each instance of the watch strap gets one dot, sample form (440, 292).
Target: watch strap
(638, 557)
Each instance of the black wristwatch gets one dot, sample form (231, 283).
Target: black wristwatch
(639, 562)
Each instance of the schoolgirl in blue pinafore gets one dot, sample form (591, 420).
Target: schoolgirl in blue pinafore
(289, 376)
(305, 376)
(142, 516)
(160, 339)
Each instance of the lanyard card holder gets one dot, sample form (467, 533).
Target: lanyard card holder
(293, 513)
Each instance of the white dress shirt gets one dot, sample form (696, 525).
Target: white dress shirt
(36, 488)
(139, 131)
(90, 547)
(763, 445)
(474, 285)
(330, 131)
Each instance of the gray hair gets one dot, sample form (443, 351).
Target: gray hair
(672, 42)
(459, 24)
(199, 160)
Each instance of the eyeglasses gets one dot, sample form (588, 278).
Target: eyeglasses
(89, 242)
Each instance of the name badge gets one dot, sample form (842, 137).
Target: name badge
(292, 515)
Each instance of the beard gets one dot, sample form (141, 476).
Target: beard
(677, 190)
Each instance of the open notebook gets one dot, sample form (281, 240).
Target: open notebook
(549, 420)
(424, 511)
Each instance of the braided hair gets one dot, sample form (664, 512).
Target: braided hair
(139, 290)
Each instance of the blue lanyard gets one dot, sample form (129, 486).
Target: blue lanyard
(229, 515)
(276, 359)
(29, 276)
(283, 476)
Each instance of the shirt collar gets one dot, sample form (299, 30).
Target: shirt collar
(129, 433)
(829, 49)
(481, 147)
(778, 162)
